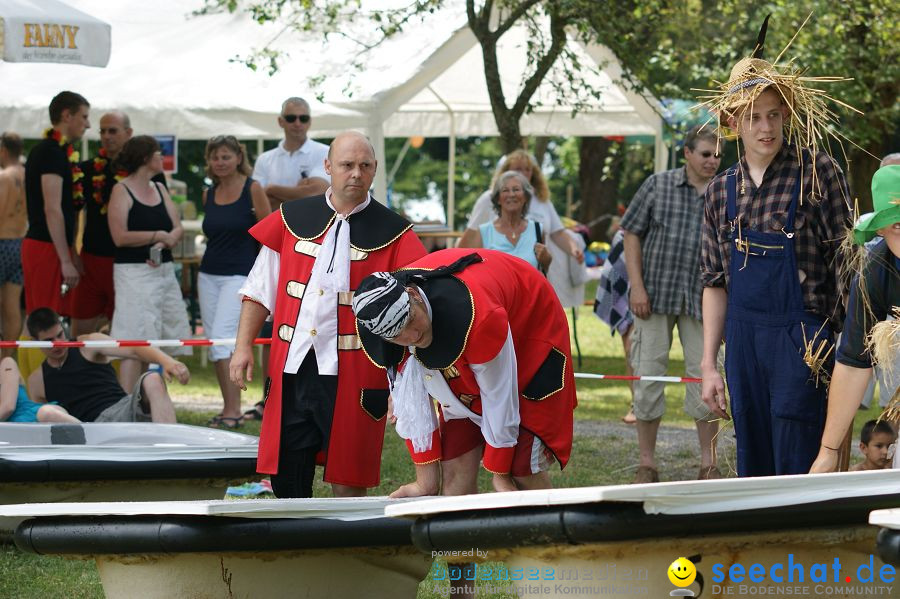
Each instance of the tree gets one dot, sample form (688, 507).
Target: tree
(672, 47)
(546, 20)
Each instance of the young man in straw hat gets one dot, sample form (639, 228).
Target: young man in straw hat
(878, 285)
(769, 268)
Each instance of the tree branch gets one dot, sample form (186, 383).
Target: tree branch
(514, 16)
(478, 21)
(558, 37)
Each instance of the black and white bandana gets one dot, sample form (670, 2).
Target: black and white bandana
(381, 305)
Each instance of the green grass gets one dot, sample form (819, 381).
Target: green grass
(595, 461)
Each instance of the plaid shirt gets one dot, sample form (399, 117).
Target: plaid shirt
(821, 222)
(667, 213)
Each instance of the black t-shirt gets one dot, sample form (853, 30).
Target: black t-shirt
(82, 387)
(48, 158)
(881, 279)
(97, 239)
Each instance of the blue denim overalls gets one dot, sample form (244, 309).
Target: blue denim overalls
(778, 409)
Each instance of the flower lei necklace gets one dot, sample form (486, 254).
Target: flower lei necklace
(72, 156)
(98, 181)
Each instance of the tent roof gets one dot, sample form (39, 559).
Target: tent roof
(452, 79)
(173, 74)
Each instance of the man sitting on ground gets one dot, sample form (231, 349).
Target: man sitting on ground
(82, 381)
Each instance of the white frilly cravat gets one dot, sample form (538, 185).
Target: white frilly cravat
(331, 270)
(416, 419)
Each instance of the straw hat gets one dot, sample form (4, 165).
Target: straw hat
(809, 115)
(886, 200)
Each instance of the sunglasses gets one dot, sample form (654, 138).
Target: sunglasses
(110, 130)
(707, 154)
(290, 118)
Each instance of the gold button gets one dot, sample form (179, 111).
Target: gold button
(427, 377)
(321, 292)
(313, 332)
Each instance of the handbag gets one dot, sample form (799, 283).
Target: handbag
(540, 239)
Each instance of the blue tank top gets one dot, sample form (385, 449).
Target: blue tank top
(491, 239)
(230, 250)
(26, 410)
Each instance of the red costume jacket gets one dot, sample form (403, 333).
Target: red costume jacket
(380, 240)
(472, 311)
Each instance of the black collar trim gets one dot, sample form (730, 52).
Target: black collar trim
(372, 229)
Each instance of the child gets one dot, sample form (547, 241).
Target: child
(876, 443)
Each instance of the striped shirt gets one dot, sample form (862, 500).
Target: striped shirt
(666, 213)
(821, 222)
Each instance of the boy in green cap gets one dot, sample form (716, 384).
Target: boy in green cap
(879, 286)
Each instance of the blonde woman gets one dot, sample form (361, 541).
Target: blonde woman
(233, 204)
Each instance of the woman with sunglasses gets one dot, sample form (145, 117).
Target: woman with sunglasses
(233, 204)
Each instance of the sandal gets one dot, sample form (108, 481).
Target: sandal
(254, 413)
(225, 422)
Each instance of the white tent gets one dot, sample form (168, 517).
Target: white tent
(447, 96)
(50, 31)
(173, 73)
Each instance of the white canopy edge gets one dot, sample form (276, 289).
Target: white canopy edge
(347, 508)
(682, 497)
(100, 455)
(886, 518)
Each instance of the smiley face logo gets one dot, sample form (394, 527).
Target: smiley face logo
(682, 572)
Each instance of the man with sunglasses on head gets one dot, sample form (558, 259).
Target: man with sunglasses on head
(296, 168)
(662, 255)
(94, 298)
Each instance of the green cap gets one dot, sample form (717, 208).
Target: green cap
(885, 199)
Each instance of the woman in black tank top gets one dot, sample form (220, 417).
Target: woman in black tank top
(144, 225)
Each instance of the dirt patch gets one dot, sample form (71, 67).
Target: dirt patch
(677, 449)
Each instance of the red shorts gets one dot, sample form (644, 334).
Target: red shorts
(43, 277)
(94, 294)
(459, 436)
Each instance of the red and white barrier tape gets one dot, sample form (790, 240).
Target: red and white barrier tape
(618, 377)
(111, 343)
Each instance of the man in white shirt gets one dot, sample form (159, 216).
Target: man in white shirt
(296, 168)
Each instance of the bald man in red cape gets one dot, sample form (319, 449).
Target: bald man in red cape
(484, 334)
(325, 401)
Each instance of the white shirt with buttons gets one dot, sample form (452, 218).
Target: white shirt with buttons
(316, 325)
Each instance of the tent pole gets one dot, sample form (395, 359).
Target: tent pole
(376, 136)
(451, 176)
(451, 163)
(660, 153)
(260, 148)
(398, 161)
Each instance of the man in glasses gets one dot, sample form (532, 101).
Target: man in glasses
(296, 168)
(94, 298)
(662, 255)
